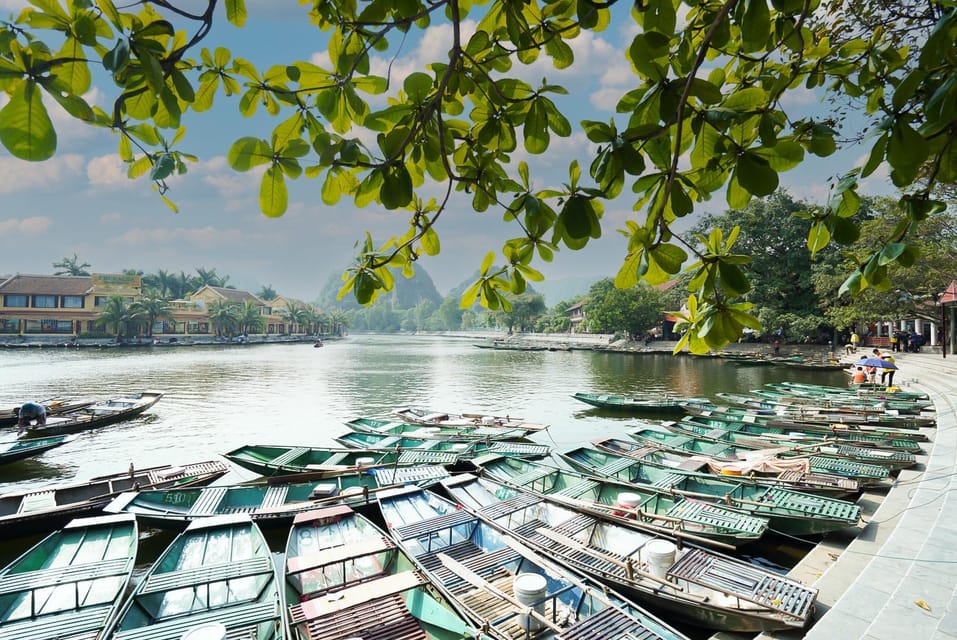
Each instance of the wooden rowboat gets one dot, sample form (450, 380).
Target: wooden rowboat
(647, 507)
(485, 570)
(697, 586)
(788, 511)
(271, 460)
(50, 507)
(219, 570)
(53, 406)
(428, 417)
(15, 450)
(466, 448)
(482, 432)
(344, 578)
(97, 415)
(68, 585)
(651, 403)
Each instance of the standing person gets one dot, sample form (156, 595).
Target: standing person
(894, 342)
(855, 340)
(777, 347)
(888, 373)
(27, 412)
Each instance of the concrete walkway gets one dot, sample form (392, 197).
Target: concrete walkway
(897, 577)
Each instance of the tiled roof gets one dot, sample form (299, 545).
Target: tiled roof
(47, 285)
(235, 295)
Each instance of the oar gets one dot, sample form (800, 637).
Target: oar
(479, 582)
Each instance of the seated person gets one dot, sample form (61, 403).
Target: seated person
(28, 412)
(859, 376)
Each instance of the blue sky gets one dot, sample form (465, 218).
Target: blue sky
(81, 202)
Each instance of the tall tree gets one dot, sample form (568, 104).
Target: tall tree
(149, 309)
(266, 292)
(71, 267)
(115, 315)
(224, 316)
(249, 316)
(705, 112)
(632, 312)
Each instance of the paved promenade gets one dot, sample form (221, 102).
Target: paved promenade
(897, 578)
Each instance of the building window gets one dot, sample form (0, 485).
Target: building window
(44, 302)
(72, 302)
(17, 300)
(48, 326)
(99, 301)
(9, 325)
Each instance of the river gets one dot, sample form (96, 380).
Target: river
(219, 398)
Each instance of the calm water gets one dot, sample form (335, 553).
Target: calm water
(219, 398)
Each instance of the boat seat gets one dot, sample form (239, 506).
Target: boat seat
(350, 551)
(38, 501)
(510, 506)
(288, 457)
(579, 488)
(847, 467)
(516, 448)
(610, 622)
(710, 515)
(669, 480)
(615, 467)
(241, 616)
(432, 525)
(530, 477)
(84, 624)
(364, 592)
(275, 496)
(427, 457)
(384, 619)
(16, 582)
(408, 475)
(207, 574)
(574, 525)
(208, 500)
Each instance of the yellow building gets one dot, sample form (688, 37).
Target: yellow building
(206, 295)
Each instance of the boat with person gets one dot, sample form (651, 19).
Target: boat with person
(432, 418)
(458, 433)
(727, 456)
(345, 578)
(53, 406)
(466, 448)
(49, 507)
(655, 403)
(96, 415)
(274, 503)
(23, 448)
(793, 513)
(220, 573)
(790, 478)
(642, 506)
(69, 584)
(272, 460)
(695, 585)
(503, 586)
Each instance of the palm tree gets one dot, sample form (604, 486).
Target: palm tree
(295, 315)
(250, 317)
(266, 292)
(314, 319)
(224, 316)
(164, 283)
(151, 308)
(339, 320)
(71, 267)
(115, 314)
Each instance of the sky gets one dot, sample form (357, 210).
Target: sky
(81, 202)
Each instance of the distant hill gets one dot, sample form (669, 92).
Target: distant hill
(407, 294)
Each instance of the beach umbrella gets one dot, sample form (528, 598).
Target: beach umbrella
(875, 362)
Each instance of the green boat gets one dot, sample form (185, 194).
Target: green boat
(96, 415)
(850, 402)
(786, 413)
(691, 584)
(272, 460)
(893, 458)
(219, 570)
(68, 585)
(816, 483)
(739, 419)
(649, 508)
(503, 586)
(345, 578)
(458, 433)
(650, 403)
(16, 450)
(865, 390)
(790, 512)
(467, 449)
(268, 504)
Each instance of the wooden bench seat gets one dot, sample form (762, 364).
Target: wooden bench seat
(14, 582)
(236, 617)
(207, 574)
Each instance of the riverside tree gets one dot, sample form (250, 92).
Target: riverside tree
(683, 135)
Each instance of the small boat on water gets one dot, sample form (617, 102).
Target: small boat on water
(500, 584)
(53, 406)
(49, 507)
(646, 507)
(649, 403)
(15, 450)
(429, 417)
(345, 578)
(466, 448)
(269, 504)
(787, 511)
(731, 457)
(817, 483)
(272, 460)
(698, 586)
(220, 570)
(481, 432)
(69, 584)
(99, 414)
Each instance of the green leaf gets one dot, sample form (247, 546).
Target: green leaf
(818, 237)
(163, 165)
(396, 188)
(756, 25)
(891, 252)
(733, 279)
(247, 153)
(746, 100)
(418, 86)
(430, 242)
(844, 231)
(273, 196)
(25, 127)
(755, 175)
(236, 12)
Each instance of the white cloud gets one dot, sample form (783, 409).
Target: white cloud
(18, 175)
(13, 5)
(203, 237)
(32, 226)
(110, 218)
(109, 171)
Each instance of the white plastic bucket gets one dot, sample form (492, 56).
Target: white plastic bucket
(209, 631)
(365, 462)
(660, 555)
(529, 588)
(460, 446)
(629, 500)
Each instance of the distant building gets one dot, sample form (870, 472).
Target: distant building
(576, 317)
(207, 294)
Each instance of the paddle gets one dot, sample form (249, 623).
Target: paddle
(479, 582)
